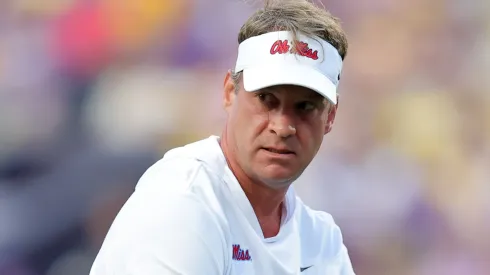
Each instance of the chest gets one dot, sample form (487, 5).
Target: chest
(244, 264)
(251, 255)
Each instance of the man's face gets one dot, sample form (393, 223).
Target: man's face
(274, 133)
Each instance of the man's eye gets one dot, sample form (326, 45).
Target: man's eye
(306, 106)
(265, 97)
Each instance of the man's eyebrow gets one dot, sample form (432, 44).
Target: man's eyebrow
(269, 90)
(317, 97)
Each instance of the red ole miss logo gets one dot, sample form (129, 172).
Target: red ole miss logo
(240, 254)
(301, 48)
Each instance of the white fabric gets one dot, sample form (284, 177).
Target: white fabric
(264, 64)
(187, 213)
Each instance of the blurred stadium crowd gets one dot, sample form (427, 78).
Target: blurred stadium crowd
(92, 92)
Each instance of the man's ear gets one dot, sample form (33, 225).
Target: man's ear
(229, 93)
(331, 117)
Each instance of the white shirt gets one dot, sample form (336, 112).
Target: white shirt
(190, 216)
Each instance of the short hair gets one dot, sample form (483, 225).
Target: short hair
(298, 17)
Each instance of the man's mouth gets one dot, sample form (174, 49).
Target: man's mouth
(278, 150)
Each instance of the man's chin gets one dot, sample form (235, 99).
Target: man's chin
(278, 178)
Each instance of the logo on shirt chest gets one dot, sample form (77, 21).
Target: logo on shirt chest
(240, 254)
(301, 269)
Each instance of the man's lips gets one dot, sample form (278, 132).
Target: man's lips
(276, 150)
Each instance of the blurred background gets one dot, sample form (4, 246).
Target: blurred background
(92, 92)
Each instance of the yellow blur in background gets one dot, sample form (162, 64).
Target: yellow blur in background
(135, 22)
(93, 92)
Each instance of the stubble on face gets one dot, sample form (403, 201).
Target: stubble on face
(255, 123)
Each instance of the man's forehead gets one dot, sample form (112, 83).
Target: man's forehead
(294, 91)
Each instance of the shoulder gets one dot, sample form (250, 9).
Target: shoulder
(147, 210)
(181, 169)
(162, 227)
(172, 215)
(176, 174)
(165, 201)
(319, 231)
(177, 189)
(182, 180)
(154, 235)
(322, 241)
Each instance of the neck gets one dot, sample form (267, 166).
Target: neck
(266, 201)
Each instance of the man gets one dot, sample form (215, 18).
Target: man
(225, 205)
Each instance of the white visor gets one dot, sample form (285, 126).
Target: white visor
(269, 60)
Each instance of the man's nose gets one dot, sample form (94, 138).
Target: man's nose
(282, 124)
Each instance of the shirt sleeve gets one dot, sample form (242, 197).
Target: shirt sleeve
(346, 268)
(159, 234)
(336, 252)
